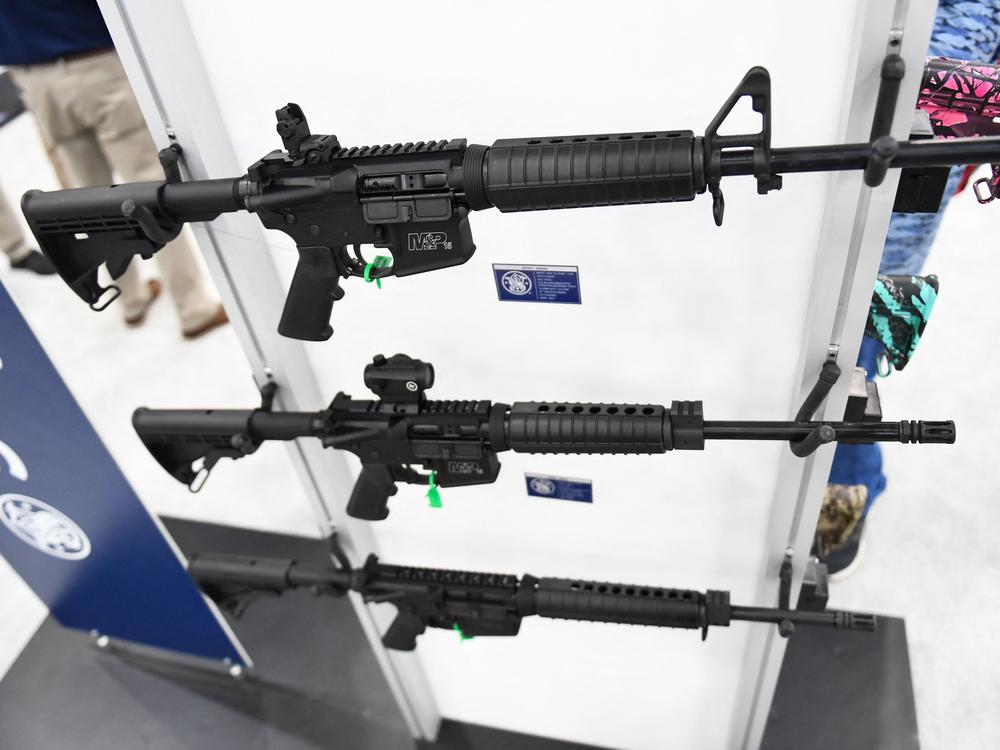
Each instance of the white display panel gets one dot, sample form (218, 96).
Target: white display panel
(672, 308)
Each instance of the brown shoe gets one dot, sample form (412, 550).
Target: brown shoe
(843, 509)
(155, 287)
(218, 319)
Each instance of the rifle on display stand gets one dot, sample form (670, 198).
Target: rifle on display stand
(414, 199)
(457, 442)
(492, 604)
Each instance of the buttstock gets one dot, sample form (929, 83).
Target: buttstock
(100, 231)
(187, 443)
(402, 634)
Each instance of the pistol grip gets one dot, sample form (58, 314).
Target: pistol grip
(402, 634)
(315, 287)
(371, 494)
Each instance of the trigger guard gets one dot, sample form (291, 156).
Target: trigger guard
(409, 475)
(356, 266)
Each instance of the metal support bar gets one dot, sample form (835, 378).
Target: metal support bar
(850, 247)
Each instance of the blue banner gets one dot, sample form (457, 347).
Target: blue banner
(71, 525)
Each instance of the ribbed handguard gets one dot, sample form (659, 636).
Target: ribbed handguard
(636, 605)
(534, 427)
(530, 174)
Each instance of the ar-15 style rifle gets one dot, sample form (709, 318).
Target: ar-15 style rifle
(414, 199)
(476, 604)
(458, 441)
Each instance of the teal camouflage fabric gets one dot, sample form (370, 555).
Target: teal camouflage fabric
(901, 306)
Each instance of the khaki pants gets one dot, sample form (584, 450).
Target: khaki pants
(11, 237)
(85, 108)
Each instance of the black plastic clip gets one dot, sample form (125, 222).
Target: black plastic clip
(823, 433)
(170, 161)
(267, 394)
(757, 85)
(883, 151)
(148, 224)
(785, 627)
(883, 145)
(337, 552)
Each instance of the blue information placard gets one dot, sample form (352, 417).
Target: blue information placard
(560, 488)
(71, 525)
(557, 284)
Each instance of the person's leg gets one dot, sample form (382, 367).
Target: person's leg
(22, 256)
(11, 237)
(128, 146)
(966, 30)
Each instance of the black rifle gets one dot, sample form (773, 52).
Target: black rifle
(414, 199)
(477, 604)
(458, 441)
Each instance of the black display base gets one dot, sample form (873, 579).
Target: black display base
(315, 684)
(840, 689)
